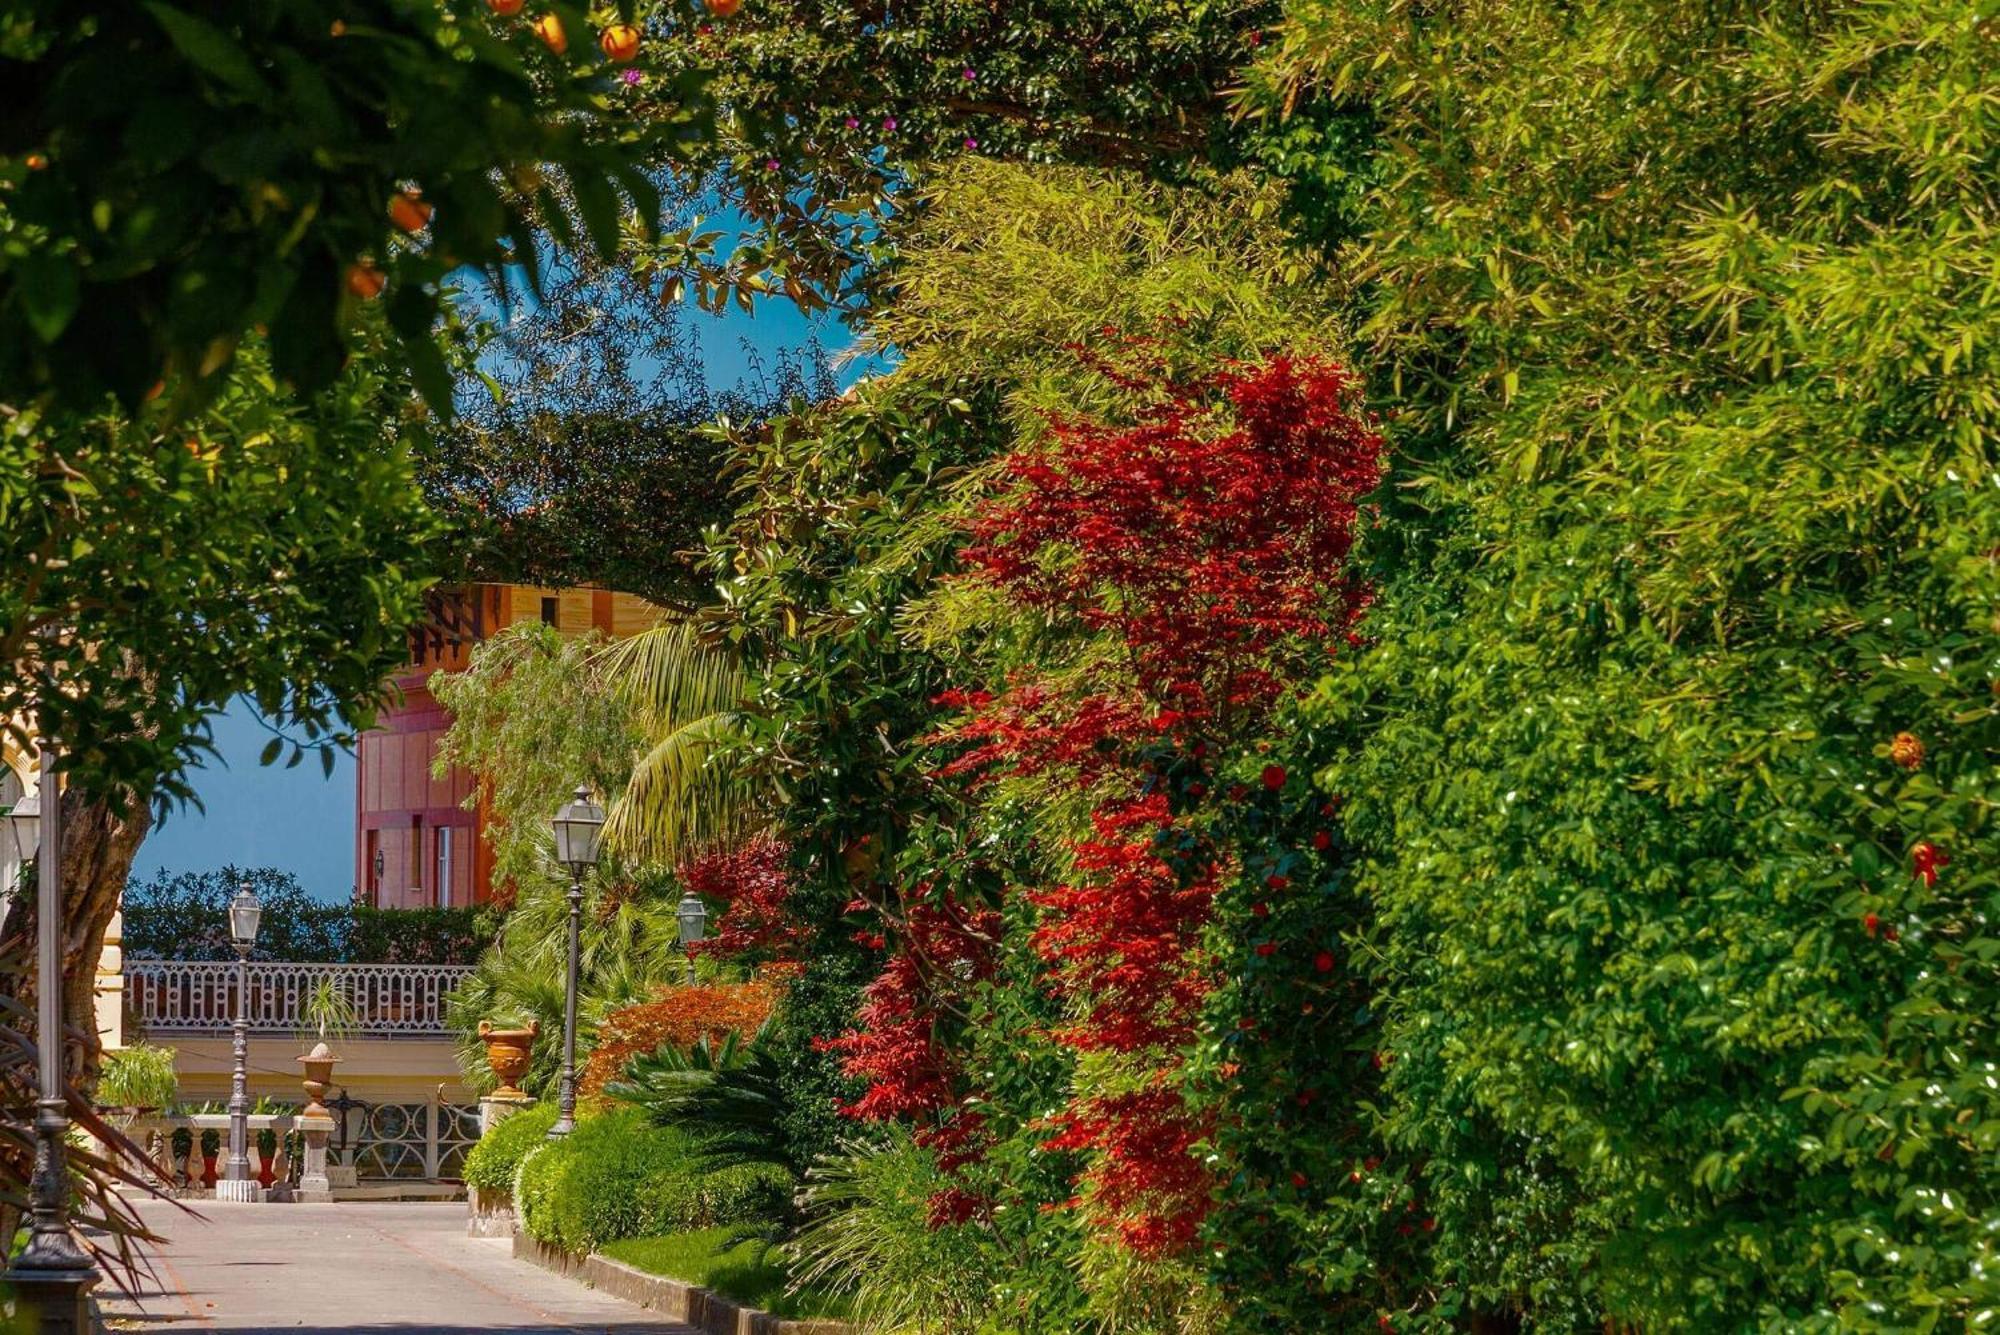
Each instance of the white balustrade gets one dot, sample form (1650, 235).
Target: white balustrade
(199, 996)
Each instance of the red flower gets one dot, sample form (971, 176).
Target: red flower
(1322, 840)
(1277, 882)
(1323, 961)
(1299, 1180)
(1266, 948)
(1925, 859)
(1274, 777)
(1869, 922)
(1261, 910)
(1889, 933)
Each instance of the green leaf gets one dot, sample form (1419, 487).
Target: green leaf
(49, 289)
(211, 49)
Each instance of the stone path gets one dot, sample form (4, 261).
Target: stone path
(404, 1267)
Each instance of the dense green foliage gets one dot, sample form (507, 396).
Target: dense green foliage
(1678, 1027)
(533, 716)
(138, 1075)
(491, 1164)
(254, 548)
(617, 1176)
(184, 916)
(173, 178)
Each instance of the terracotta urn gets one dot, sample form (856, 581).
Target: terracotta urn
(507, 1052)
(319, 1074)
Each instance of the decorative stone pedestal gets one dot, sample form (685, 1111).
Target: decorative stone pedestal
(314, 1183)
(244, 1192)
(498, 1107)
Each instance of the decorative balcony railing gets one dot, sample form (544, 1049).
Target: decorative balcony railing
(199, 996)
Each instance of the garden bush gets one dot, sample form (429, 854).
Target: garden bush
(676, 1017)
(139, 1076)
(618, 1176)
(1667, 779)
(493, 1162)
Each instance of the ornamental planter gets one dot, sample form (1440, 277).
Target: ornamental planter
(507, 1053)
(319, 1074)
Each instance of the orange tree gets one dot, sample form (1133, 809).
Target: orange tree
(172, 176)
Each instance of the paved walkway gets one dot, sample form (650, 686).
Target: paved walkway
(405, 1267)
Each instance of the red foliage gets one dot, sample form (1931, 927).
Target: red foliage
(895, 1050)
(1209, 539)
(753, 882)
(680, 1016)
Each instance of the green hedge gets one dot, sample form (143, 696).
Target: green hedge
(185, 916)
(497, 1157)
(618, 1176)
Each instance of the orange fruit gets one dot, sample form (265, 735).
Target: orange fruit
(506, 9)
(366, 281)
(338, 28)
(37, 162)
(620, 42)
(723, 9)
(409, 212)
(549, 28)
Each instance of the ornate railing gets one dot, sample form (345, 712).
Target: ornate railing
(199, 996)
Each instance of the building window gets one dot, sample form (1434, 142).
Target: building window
(444, 866)
(548, 611)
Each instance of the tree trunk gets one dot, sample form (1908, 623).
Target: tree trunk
(100, 839)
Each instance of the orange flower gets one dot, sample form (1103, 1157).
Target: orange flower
(1907, 750)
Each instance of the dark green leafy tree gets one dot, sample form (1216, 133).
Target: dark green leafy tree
(172, 176)
(1667, 778)
(829, 110)
(581, 453)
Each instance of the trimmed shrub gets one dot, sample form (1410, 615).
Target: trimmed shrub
(497, 1157)
(618, 1176)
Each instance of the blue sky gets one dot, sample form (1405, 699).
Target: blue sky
(300, 822)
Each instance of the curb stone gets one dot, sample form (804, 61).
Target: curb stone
(671, 1298)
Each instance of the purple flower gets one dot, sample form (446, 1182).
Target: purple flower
(632, 78)
(770, 164)
(970, 74)
(888, 122)
(853, 122)
(970, 142)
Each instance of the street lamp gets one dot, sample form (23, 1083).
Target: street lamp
(694, 916)
(52, 1275)
(236, 1184)
(24, 836)
(379, 865)
(577, 827)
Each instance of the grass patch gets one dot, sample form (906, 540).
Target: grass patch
(700, 1257)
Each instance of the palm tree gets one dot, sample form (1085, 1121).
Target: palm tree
(688, 695)
(629, 945)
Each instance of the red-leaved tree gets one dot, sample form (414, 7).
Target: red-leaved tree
(1207, 542)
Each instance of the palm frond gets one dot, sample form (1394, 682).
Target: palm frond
(687, 694)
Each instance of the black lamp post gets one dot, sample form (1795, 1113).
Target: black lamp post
(693, 915)
(577, 827)
(244, 913)
(52, 1275)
